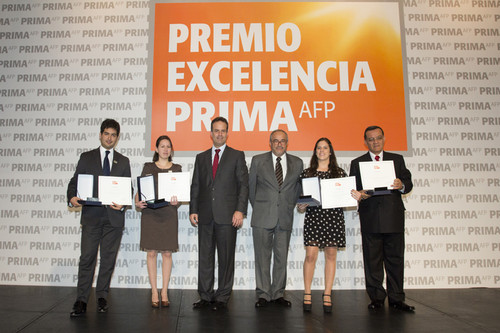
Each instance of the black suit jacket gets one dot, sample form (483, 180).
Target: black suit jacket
(217, 199)
(383, 213)
(90, 163)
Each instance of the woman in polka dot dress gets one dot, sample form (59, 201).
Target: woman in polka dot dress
(323, 228)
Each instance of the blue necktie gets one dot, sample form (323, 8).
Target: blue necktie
(106, 170)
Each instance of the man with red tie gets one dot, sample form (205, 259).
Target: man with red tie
(382, 220)
(219, 200)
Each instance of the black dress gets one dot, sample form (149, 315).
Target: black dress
(324, 227)
(159, 226)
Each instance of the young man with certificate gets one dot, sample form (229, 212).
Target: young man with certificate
(102, 226)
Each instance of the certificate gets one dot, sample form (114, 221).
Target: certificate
(146, 188)
(377, 174)
(311, 192)
(115, 189)
(85, 186)
(174, 184)
(336, 192)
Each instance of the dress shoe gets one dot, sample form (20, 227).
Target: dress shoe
(165, 304)
(307, 303)
(219, 306)
(283, 302)
(102, 305)
(201, 304)
(402, 306)
(327, 303)
(79, 308)
(375, 305)
(261, 303)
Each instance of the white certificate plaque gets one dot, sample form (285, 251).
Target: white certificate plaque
(311, 187)
(115, 189)
(377, 174)
(174, 184)
(146, 187)
(85, 186)
(336, 192)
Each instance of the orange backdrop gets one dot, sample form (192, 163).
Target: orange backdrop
(329, 32)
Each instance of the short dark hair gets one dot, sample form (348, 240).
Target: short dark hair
(110, 123)
(371, 128)
(216, 119)
(156, 157)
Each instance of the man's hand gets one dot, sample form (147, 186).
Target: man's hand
(193, 218)
(74, 201)
(398, 184)
(237, 219)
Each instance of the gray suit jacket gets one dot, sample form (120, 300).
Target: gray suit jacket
(272, 204)
(90, 163)
(217, 199)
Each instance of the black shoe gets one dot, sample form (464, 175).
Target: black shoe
(261, 303)
(102, 305)
(79, 308)
(327, 305)
(307, 306)
(283, 302)
(219, 306)
(402, 306)
(375, 305)
(201, 304)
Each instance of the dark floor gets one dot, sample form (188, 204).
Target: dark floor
(46, 309)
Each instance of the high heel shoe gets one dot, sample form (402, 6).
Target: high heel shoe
(165, 304)
(156, 304)
(327, 305)
(307, 306)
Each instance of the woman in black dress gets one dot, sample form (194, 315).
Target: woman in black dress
(159, 226)
(323, 228)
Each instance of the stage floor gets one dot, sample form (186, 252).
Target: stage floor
(46, 309)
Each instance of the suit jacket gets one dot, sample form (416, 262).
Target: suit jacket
(383, 213)
(90, 163)
(217, 199)
(271, 204)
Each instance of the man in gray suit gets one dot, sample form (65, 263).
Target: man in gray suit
(102, 226)
(219, 200)
(274, 189)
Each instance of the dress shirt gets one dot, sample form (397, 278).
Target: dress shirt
(110, 156)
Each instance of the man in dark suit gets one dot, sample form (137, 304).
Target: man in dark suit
(382, 226)
(219, 200)
(102, 226)
(274, 189)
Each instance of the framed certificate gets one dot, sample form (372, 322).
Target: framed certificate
(377, 177)
(336, 192)
(85, 190)
(115, 189)
(174, 184)
(147, 192)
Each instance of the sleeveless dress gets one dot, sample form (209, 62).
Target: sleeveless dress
(159, 226)
(324, 227)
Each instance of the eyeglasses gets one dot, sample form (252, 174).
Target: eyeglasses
(378, 138)
(276, 142)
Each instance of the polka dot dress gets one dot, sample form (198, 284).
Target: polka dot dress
(324, 227)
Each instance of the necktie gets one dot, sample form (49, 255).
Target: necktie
(106, 170)
(216, 163)
(279, 171)
(377, 158)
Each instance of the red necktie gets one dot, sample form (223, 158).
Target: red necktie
(216, 163)
(377, 158)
